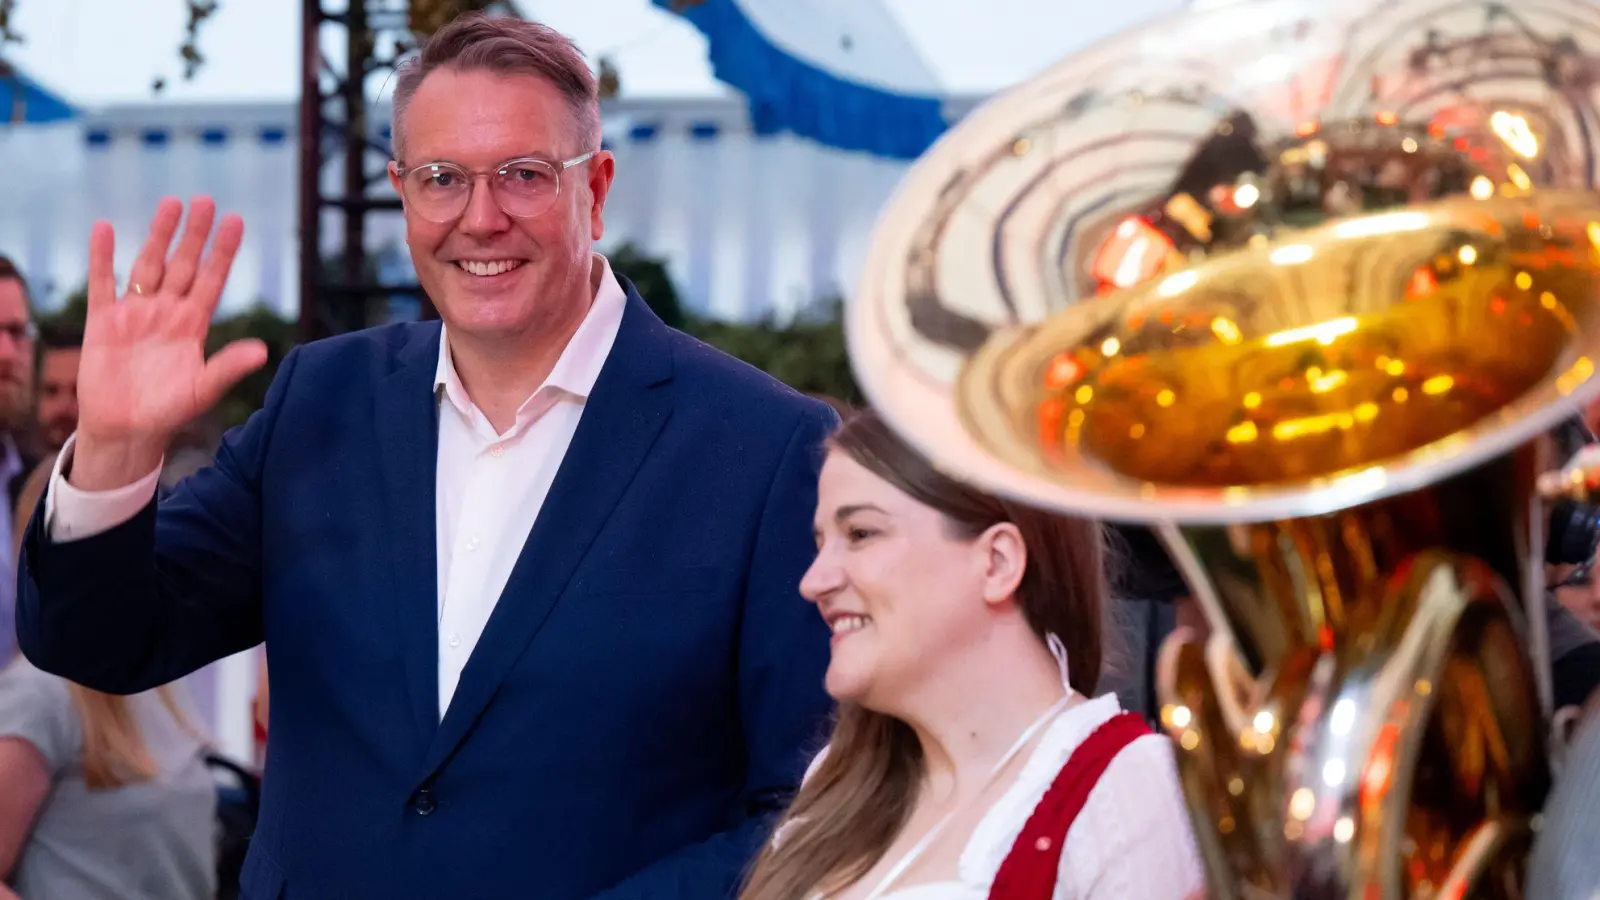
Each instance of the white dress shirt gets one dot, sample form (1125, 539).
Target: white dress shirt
(490, 486)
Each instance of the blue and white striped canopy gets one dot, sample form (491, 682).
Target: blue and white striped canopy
(875, 75)
(842, 72)
(25, 101)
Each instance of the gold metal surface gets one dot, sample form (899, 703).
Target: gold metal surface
(1312, 355)
(1365, 711)
(1304, 286)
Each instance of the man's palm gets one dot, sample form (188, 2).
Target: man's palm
(144, 374)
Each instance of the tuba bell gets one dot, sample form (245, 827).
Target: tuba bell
(1304, 286)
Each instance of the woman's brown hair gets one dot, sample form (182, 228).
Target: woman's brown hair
(114, 752)
(859, 796)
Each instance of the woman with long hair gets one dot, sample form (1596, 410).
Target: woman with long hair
(971, 757)
(101, 797)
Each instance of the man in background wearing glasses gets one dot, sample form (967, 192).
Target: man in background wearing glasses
(18, 448)
(528, 582)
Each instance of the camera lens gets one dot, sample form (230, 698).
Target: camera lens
(1574, 533)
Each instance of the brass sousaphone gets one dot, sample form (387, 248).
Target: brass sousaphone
(1305, 286)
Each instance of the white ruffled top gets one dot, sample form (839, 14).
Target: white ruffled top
(1131, 840)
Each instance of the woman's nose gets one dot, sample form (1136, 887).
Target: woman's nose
(822, 578)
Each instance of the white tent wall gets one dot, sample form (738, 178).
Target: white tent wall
(748, 226)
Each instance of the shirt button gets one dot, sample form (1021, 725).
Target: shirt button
(455, 640)
(472, 543)
(497, 449)
(424, 802)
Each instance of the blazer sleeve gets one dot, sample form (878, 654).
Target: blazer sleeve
(783, 655)
(165, 593)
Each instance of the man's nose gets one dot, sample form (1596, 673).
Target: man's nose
(483, 214)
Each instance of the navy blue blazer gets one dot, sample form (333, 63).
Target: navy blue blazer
(643, 700)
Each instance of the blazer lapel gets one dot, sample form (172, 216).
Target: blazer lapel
(408, 450)
(631, 401)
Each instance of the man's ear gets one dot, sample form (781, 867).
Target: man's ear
(1005, 559)
(602, 169)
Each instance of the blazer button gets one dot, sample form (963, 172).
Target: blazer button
(424, 803)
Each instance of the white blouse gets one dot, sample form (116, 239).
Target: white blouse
(1131, 840)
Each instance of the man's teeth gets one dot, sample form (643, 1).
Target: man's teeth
(498, 267)
(847, 624)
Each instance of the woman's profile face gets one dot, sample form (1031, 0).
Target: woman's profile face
(896, 586)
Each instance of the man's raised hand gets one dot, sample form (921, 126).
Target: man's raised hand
(144, 374)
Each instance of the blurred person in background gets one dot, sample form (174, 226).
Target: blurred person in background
(57, 412)
(102, 797)
(1563, 864)
(57, 415)
(19, 450)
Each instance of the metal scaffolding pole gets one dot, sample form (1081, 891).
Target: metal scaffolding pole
(348, 50)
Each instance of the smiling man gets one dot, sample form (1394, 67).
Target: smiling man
(527, 580)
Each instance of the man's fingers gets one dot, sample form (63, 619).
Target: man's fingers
(151, 264)
(185, 260)
(214, 271)
(224, 369)
(102, 276)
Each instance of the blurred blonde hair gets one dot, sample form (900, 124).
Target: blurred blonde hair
(114, 752)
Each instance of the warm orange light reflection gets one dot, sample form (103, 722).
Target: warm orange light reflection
(1438, 384)
(1322, 384)
(1323, 332)
(1289, 429)
(1243, 433)
(1063, 370)
(1572, 378)
(1134, 253)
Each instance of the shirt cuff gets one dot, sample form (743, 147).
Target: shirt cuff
(71, 514)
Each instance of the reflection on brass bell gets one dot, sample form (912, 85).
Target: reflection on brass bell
(1304, 285)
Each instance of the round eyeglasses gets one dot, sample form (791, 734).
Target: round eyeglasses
(524, 188)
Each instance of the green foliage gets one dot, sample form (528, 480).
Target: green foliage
(807, 354)
(651, 279)
(258, 322)
(279, 335)
(69, 318)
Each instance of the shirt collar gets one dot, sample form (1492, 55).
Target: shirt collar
(578, 367)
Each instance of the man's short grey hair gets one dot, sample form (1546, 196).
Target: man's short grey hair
(477, 42)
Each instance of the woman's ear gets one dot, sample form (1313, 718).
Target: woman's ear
(1005, 559)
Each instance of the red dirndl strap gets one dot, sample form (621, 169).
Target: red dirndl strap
(1029, 871)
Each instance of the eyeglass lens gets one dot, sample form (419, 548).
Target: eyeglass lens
(440, 192)
(19, 332)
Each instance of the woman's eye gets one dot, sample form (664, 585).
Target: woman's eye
(859, 534)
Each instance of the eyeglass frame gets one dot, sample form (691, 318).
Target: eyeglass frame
(561, 167)
(24, 332)
(1581, 576)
